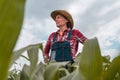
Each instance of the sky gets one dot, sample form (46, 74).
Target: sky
(94, 18)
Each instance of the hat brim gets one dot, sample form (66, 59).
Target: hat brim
(63, 13)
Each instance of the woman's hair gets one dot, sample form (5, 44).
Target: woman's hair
(69, 25)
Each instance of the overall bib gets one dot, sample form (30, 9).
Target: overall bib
(60, 51)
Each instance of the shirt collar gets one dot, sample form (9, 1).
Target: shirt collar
(66, 30)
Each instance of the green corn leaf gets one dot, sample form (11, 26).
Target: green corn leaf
(25, 57)
(11, 18)
(75, 75)
(52, 70)
(77, 59)
(18, 53)
(113, 69)
(91, 60)
(25, 73)
(39, 71)
(106, 59)
(41, 47)
(33, 57)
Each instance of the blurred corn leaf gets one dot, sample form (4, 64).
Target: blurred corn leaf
(37, 75)
(39, 71)
(77, 59)
(33, 56)
(30, 72)
(90, 63)
(11, 18)
(75, 75)
(91, 60)
(113, 70)
(106, 59)
(41, 47)
(18, 53)
(25, 73)
(52, 70)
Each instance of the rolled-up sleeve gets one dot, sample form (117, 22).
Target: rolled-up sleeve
(48, 46)
(47, 49)
(80, 37)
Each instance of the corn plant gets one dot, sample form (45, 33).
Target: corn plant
(88, 65)
(11, 18)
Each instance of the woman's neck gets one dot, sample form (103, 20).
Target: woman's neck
(62, 29)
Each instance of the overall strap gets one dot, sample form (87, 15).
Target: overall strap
(69, 35)
(54, 37)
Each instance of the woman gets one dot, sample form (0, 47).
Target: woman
(64, 42)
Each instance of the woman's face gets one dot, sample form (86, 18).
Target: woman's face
(60, 21)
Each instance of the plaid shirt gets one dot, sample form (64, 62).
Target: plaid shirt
(76, 37)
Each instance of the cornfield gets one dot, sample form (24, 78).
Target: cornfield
(89, 64)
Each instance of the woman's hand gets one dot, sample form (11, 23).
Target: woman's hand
(46, 60)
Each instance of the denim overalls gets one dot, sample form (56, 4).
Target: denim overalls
(60, 51)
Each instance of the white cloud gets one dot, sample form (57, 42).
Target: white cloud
(108, 35)
(77, 8)
(112, 52)
(107, 9)
(110, 29)
(25, 39)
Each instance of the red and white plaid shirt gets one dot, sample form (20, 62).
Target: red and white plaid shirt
(76, 37)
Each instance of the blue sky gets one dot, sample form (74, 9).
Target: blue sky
(94, 18)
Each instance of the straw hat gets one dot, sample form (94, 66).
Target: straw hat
(63, 13)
